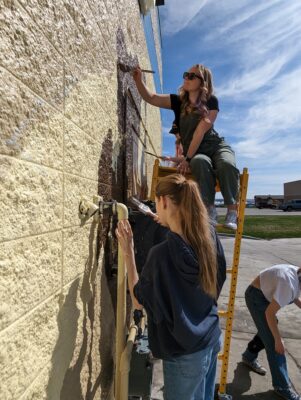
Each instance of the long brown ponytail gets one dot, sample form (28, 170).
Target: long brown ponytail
(195, 225)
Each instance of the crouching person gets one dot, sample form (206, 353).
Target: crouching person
(178, 288)
(274, 288)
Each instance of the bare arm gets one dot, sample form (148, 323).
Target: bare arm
(270, 314)
(204, 125)
(158, 100)
(132, 277)
(125, 238)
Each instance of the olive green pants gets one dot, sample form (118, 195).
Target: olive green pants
(221, 165)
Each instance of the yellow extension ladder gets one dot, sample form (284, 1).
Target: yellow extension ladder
(158, 173)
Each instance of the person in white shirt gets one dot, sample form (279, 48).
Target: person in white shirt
(272, 289)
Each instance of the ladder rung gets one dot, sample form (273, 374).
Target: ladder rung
(220, 356)
(223, 313)
(229, 270)
(222, 228)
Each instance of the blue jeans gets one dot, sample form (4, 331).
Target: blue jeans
(257, 304)
(191, 376)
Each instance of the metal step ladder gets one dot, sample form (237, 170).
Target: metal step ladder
(158, 173)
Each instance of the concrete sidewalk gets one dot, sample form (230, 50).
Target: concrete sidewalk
(242, 383)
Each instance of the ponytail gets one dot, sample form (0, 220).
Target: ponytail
(195, 226)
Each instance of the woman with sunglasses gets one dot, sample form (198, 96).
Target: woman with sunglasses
(206, 154)
(178, 288)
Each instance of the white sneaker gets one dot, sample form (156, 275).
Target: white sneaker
(231, 220)
(212, 215)
(254, 366)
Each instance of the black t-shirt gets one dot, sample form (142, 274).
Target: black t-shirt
(212, 104)
(188, 123)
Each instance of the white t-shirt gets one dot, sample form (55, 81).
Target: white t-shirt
(281, 283)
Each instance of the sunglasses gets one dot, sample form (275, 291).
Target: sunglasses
(191, 75)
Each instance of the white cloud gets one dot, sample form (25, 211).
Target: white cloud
(253, 79)
(241, 14)
(261, 48)
(266, 30)
(254, 51)
(269, 133)
(269, 82)
(274, 121)
(249, 25)
(178, 14)
(270, 152)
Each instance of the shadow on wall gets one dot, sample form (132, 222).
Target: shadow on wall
(83, 358)
(72, 384)
(79, 375)
(62, 354)
(92, 366)
(65, 382)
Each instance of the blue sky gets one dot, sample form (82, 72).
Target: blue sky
(254, 52)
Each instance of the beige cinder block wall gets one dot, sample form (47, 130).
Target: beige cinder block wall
(71, 125)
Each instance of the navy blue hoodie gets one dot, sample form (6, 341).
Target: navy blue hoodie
(182, 318)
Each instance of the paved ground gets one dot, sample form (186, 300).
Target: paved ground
(242, 383)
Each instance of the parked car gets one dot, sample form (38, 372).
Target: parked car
(291, 205)
(264, 204)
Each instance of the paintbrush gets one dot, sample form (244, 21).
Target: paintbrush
(155, 155)
(141, 206)
(128, 68)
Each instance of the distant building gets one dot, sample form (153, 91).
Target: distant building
(292, 190)
(268, 201)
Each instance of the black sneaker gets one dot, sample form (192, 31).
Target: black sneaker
(288, 394)
(254, 366)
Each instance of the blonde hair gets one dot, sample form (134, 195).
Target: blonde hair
(206, 91)
(195, 226)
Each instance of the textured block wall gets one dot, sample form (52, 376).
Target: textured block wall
(71, 125)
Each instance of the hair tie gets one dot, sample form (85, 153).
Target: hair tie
(183, 183)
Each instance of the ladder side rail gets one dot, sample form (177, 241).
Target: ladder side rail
(160, 171)
(230, 311)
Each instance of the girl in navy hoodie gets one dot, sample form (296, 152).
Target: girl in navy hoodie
(178, 288)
